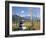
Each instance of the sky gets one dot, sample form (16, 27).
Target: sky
(26, 11)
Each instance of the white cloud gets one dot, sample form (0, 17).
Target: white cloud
(22, 15)
(28, 15)
(22, 11)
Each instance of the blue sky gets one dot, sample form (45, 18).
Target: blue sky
(26, 11)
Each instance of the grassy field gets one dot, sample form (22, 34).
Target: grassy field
(29, 25)
(36, 25)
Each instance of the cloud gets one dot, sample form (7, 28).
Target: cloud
(22, 11)
(22, 15)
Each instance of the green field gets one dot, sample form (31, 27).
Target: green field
(35, 25)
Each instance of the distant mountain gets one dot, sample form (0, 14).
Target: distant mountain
(27, 18)
(15, 17)
(35, 18)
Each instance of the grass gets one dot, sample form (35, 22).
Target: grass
(28, 24)
(36, 25)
